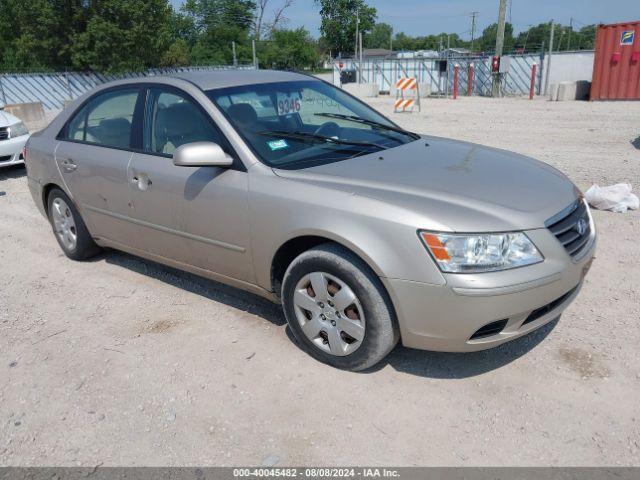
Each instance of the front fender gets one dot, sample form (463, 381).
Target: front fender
(385, 237)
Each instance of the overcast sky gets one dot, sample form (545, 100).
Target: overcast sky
(423, 17)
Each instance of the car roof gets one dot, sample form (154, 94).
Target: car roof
(208, 80)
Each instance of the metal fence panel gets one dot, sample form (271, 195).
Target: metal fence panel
(386, 72)
(54, 89)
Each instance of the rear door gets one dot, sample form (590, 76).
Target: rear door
(93, 156)
(193, 215)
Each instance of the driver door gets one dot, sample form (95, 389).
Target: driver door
(193, 215)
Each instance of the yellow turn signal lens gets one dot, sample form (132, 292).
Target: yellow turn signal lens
(435, 246)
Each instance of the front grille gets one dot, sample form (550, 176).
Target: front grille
(489, 330)
(4, 133)
(542, 311)
(6, 158)
(571, 227)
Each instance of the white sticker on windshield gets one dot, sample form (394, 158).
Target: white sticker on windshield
(289, 103)
(277, 145)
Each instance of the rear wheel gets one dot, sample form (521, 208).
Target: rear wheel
(338, 309)
(69, 228)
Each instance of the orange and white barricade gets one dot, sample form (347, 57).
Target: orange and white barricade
(405, 102)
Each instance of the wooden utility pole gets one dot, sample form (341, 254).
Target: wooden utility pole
(255, 58)
(473, 29)
(495, 90)
(569, 37)
(546, 80)
(355, 56)
(233, 49)
(360, 58)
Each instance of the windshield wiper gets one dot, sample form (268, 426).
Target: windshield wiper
(373, 123)
(306, 136)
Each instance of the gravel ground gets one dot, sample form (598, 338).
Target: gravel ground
(119, 361)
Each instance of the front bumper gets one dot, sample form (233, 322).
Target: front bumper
(11, 151)
(445, 317)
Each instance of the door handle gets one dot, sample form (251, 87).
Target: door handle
(142, 181)
(69, 165)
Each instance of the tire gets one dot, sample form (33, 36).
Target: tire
(69, 228)
(335, 267)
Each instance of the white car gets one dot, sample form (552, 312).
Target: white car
(13, 135)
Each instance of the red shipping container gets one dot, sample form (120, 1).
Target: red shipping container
(616, 69)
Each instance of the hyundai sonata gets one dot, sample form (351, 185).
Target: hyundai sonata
(288, 187)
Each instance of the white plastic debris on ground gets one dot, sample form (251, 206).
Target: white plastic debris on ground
(617, 198)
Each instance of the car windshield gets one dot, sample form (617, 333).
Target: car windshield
(306, 123)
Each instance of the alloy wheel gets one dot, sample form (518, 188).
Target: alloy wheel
(64, 224)
(329, 313)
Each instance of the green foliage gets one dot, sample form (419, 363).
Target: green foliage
(37, 34)
(532, 39)
(585, 38)
(177, 55)
(123, 36)
(487, 42)
(338, 24)
(101, 35)
(290, 50)
(211, 14)
(565, 38)
(379, 37)
(219, 23)
(403, 41)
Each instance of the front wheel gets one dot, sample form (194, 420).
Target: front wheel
(337, 308)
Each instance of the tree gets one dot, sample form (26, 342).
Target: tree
(218, 23)
(290, 50)
(260, 24)
(177, 55)
(207, 14)
(379, 37)
(338, 22)
(123, 36)
(487, 41)
(538, 35)
(38, 34)
(586, 38)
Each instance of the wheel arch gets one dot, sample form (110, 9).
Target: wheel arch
(298, 244)
(45, 195)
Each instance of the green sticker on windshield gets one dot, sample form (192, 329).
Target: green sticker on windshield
(277, 145)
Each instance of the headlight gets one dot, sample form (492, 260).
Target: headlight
(477, 253)
(17, 130)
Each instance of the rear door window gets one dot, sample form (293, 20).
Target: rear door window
(106, 120)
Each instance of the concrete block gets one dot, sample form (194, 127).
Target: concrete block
(566, 91)
(27, 112)
(363, 90)
(553, 92)
(425, 89)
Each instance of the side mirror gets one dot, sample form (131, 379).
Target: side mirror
(201, 154)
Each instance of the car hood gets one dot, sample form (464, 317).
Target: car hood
(456, 185)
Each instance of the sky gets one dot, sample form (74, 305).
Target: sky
(425, 17)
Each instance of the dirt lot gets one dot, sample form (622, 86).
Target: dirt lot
(119, 361)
